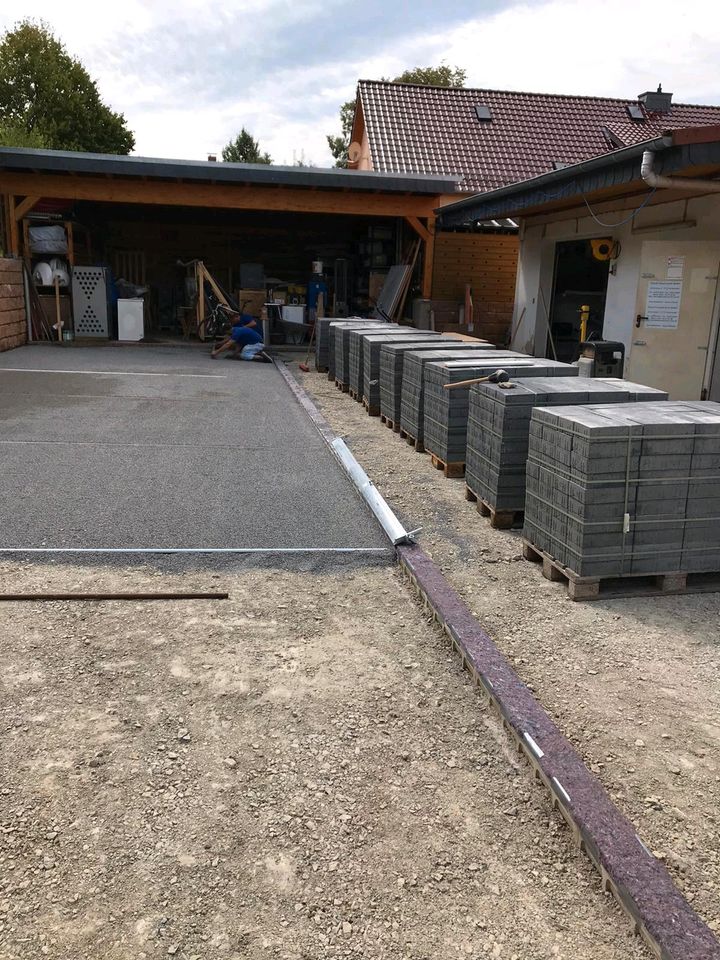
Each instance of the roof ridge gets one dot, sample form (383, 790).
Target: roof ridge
(530, 93)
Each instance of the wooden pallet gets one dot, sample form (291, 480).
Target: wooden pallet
(372, 410)
(355, 395)
(321, 369)
(626, 585)
(341, 386)
(499, 519)
(331, 377)
(451, 470)
(390, 424)
(409, 439)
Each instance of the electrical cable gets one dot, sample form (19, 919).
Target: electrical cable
(620, 223)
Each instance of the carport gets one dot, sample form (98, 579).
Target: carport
(159, 449)
(138, 217)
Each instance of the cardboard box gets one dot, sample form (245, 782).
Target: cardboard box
(255, 301)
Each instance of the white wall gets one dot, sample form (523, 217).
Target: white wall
(537, 260)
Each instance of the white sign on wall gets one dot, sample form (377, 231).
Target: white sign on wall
(662, 307)
(675, 268)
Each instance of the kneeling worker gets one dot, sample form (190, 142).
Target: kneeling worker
(245, 339)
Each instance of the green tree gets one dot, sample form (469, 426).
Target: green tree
(442, 76)
(244, 149)
(12, 135)
(48, 98)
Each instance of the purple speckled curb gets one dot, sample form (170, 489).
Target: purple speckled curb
(638, 880)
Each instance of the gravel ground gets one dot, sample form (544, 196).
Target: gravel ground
(634, 683)
(301, 771)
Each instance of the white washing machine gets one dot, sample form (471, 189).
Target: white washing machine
(131, 319)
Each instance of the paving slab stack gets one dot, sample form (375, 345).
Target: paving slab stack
(371, 348)
(356, 349)
(445, 412)
(322, 338)
(626, 488)
(392, 356)
(499, 428)
(340, 341)
(413, 384)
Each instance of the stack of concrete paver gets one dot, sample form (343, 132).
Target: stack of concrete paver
(445, 412)
(499, 428)
(322, 338)
(340, 345)
(626, 488)
(371, 347)
(356, 351)
(392, 358)
(413, 383)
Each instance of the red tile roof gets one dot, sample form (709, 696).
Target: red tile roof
(420, 129)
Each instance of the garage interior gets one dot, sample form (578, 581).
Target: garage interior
(111, 246)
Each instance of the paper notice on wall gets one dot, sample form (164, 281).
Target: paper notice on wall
(662, 307)
(675, 268)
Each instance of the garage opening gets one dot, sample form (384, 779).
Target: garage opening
(579, 291)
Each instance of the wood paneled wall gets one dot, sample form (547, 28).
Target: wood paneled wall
(13, 329)
(488, 262)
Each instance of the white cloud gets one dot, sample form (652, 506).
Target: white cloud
(187, 78)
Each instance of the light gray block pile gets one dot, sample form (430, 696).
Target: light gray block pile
(445, 412)
(356, 351)
(372, 346)
(392, 358)
(413, 384)
(499, 428)
(340, 345)
(322, 338)
(626, 488)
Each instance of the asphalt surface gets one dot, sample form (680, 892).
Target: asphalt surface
(162, 448)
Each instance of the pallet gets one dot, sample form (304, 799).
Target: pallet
(626, 585)
(411, 441)
(321, 369)
(373, 411)
(451, 470)
(390, 424)
(331, 377)
(355, 395)
(341, 386)
(499, 519)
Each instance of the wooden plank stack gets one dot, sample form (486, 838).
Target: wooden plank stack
(13, 326)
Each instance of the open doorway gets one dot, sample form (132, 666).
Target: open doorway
(580, 280)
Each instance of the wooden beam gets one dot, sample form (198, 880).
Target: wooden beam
(14, 237)
(428, 260)
(421, 231)
(25, 207)
(219, 196)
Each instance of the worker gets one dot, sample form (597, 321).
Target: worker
(245, 340)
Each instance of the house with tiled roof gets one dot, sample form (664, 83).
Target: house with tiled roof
(495, 137)
(489, 139)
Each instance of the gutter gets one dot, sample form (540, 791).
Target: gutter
(565, 176)
(656, 181)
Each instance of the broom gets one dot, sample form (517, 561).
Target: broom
(305, 367)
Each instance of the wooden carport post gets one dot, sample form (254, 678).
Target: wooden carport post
(427, 233)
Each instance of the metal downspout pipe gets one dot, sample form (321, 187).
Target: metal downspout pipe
(657, 181)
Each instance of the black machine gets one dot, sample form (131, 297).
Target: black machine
(608, 357)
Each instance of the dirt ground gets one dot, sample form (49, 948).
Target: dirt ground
(634, 683)
(301, 771)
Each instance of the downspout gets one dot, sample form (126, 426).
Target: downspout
(653, 179)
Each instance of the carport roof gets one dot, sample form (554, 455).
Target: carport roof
(13, 159)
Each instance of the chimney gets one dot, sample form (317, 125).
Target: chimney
(657, 102)
(212, 158)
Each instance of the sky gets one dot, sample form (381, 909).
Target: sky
(188, 75)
